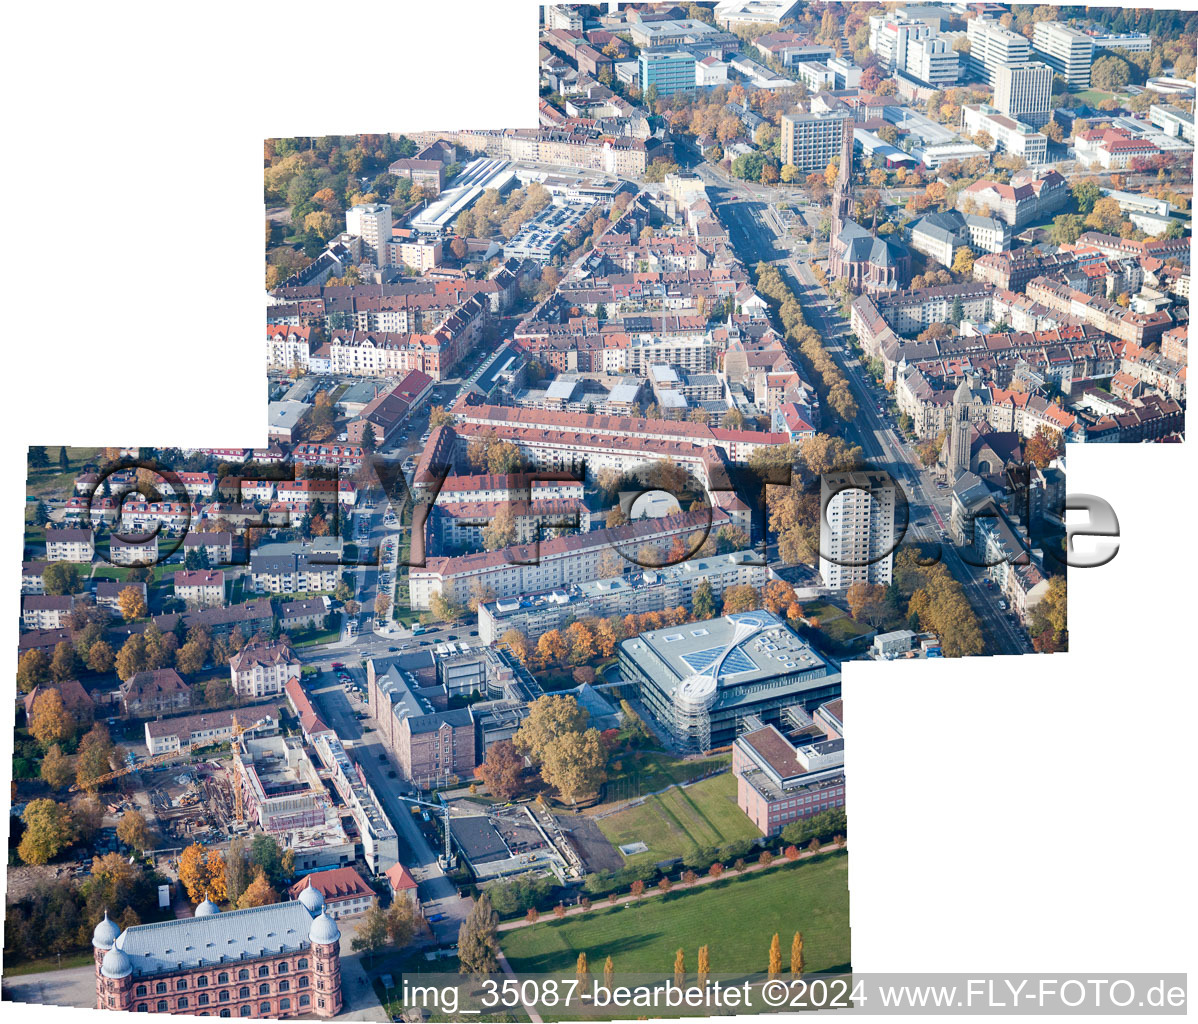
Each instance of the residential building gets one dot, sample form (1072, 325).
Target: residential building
(345, 892)
(157, 692)
(648, 590)
(1068, 51)
(551, 564)
(856, 535)
(41, 611)
(69, 545)
(108, 593)
(205, 730)
(74, 698)
(262, 668)
(203, 588)
(297, 572)
(371, 222)
(280, 960)
(308, 613)
(216, 547)
(1024, 92)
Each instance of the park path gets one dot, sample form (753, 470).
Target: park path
(530, 1010)
(778, 862)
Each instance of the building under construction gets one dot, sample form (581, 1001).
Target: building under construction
(282, 791)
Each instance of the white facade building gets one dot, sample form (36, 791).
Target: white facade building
(991, 46)
(1024, 92)
(856, 533)
(371, 222)
(1067, 51)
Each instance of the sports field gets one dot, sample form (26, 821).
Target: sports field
(681, 819)
(735, 917)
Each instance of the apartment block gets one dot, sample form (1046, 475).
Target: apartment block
(856, 536)
(69, 545)
(372, 223)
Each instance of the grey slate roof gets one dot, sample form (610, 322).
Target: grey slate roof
(217, 939)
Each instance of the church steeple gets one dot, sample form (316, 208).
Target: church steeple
(842, 200)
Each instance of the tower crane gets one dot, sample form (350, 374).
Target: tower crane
(133, 766)
(447, 860)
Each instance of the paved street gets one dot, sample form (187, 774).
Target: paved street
(437, 893)
(755, 236)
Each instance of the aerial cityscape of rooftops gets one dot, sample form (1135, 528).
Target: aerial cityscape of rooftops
(596, 447)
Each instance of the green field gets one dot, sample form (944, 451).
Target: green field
(735, 917)
(680, 820)
(834, 622)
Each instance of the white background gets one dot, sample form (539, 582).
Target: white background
(1029, 813)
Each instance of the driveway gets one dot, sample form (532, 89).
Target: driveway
(75, 986)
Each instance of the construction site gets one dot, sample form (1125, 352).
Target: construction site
(191, 804)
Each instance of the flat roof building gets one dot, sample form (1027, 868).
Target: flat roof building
(702, 679)
(1067, 51)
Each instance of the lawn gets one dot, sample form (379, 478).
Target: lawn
(680, 820)
(49, 963)
(158, 573)
(1093, 97)
(50, 481)
(834, 622)
(735, 917)
(634, 773)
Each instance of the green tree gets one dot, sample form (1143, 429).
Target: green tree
(371, 933)
(1085, 194)
(703, 602)
(549, 717)
(56, 768)
(61, 578)
(478, 946)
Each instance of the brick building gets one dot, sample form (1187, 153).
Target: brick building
(280, 960)
(779, 782)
